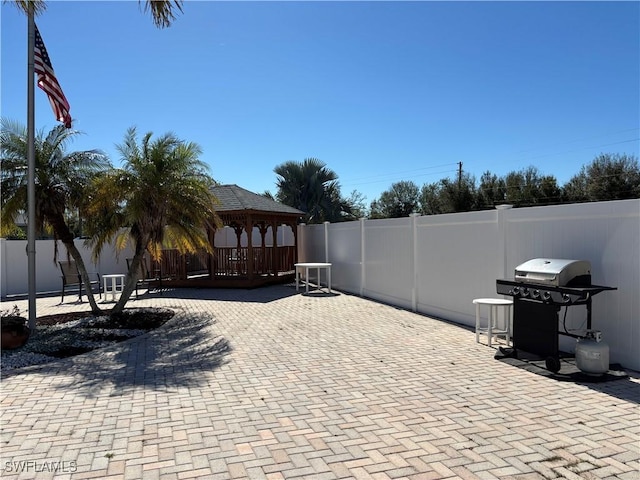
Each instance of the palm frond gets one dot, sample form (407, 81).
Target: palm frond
(163, 12)
(37, 6)
(61, 177)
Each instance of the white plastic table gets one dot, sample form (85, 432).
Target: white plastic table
(318, 267)
(492, 327)
(113, 284)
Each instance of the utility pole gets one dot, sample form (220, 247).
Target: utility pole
(458, 200)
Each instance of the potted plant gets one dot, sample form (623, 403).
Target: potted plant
(14, 328)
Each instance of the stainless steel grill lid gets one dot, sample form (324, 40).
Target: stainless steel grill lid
(554, 271)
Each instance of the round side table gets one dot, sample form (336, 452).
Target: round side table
(493, 328)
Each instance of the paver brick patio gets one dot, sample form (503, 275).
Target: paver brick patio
(270, 384)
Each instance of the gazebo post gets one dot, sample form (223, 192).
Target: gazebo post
(295, 242)
(274, 251)
(250, 262)
(238, 229)
(212, 258)
(263, 227)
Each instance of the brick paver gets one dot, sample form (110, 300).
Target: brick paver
(270, 384)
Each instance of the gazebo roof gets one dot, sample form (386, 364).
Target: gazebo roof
(234, 199)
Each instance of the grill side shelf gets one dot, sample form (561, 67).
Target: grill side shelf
(549, 293)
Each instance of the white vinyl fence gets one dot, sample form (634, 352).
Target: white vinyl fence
(437, 265)
(13, 260)
(13, 255)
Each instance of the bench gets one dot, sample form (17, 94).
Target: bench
(71, 278)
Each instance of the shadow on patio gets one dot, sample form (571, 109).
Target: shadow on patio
(254, 295)
(180, 354)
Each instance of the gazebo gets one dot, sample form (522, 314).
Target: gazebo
(247, 252)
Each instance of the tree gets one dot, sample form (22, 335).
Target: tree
(400, 200)
(575, 190)
(548, 190)
(313, 188)
(458, 195)
(161, 197)
(449, 196)
(163, 12)
(607, 177)
(516, 191)
(431, 199)
(62, 180)
(528, 187)
(357, 206)
(492, 191)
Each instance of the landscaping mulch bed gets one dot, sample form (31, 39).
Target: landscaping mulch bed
(144, 318)
(73, 333)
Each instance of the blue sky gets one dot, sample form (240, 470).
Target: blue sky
(379, 91)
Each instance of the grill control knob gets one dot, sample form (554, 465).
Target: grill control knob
(525, 292)
(566, 298)
(546, 295)
(535, 294)
(515, 291)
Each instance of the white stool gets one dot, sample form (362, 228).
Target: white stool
(492, 327)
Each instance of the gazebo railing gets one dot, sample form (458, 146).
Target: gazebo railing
(176, 265)
(234, 261)
(226, 261)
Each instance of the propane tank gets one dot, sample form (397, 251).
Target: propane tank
(592, 353)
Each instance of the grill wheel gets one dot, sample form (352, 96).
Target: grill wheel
(552, 364)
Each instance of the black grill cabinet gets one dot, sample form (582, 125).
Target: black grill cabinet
(536, 306)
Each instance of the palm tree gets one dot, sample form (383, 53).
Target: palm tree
(311, 187)
(161, 197)
(163, 12)
(60, 184)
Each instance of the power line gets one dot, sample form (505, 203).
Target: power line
(401, 172)
(583, 148)
(591, 137)
(391, 179)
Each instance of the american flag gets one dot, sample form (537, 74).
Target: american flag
(47, 81)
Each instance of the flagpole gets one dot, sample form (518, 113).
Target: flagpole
(31, 171)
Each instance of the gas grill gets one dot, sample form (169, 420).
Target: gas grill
(541, 287)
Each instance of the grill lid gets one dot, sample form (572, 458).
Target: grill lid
(555, 271)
